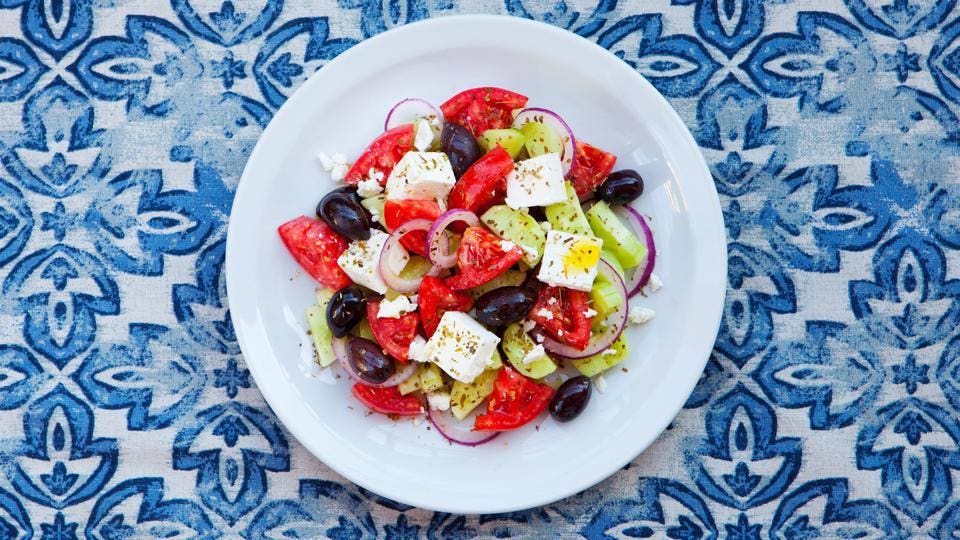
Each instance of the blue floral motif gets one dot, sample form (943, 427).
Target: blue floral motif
(798, 515)
(14, 520)
(902, 62)
(910, 374)
(664, 507)
(900, 18)
(381, 15)
(729, 25)
(201, 308)
(229, 70)
(58, 30)
(565, 14)
(21, 69)
(948, 372)
(314, 514)
(149, 515)
(16, 222)
(234, 22)
(20, 376)
(712, 378)
(59, 529)
(743, 529)
(231, 379)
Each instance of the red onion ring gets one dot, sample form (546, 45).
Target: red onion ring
(616, 322)
(438, 246)
(340, 350)
(390, 277)
(641, 274)
(408, 110)
(453, 431)
(555, 121)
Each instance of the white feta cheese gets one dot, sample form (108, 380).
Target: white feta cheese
(545, 313)
(438, 401)
(528, 325)
(394, 309)
(600, 383)
(336, 165)
(536, 182)
(361, 259)
(507, 245)
(423, 136)
(589, 313)
(421, 175)
(417, 349)
(655, 284)
(551, 301)
(534, 354)
(570, 260)
(640, 315)
(369, 187)
(461, 346)
(546, 226)
(539, 338)
(606, 352)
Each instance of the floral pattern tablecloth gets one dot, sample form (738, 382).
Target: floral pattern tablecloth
(829, 408)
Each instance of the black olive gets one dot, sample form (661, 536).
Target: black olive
(571, 399)
(342, 211)
(459, 145)
(345, 309)
(621, 187)
(505, 305)
(369, 361)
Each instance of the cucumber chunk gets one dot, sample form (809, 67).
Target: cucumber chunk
(516, 344)
(519, 227)
(375, 206)
(567, 216)
(616, 236)
(598, 363)
(464, 398)
(509, 139)
(363, 330)
(427, 378)
(541, 139)
(317, 321)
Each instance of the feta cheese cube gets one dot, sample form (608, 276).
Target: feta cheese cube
(534, 354)
(570, 260)
(536, 182)
(423, 136)
(416, 350)
(361, 260)
(421, 175)
(370, 187)
(461, 346)
(640, 315)
(394, 309)
(438, 401)
(336, 165)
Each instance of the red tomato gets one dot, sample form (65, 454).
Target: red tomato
(316, 247)
(590, 168)
(481, 258)
(387, 400)
(396, 213)
(484, 184)
(515, 401)
(480, 109)
(568, 324)
(394, 335)
(382, 154)
(435, 299)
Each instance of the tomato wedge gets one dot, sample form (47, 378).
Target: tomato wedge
(515, 401)
(387, 400)
(590, 168)
(566, 322)
(382, 154)
(480, 109)
(394, 335)
(316, 248)
(435, 299)
(480, 258)
(396, 213)
(484, 184)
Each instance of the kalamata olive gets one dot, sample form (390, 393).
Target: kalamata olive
(345, 309)
(459, 145)
(505, 305)
(369, 361)
(621, 187)
(571, 399)
(344, 214)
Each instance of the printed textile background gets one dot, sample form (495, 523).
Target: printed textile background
(829, 408)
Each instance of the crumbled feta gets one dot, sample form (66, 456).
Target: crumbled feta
(336, 165)
(421, 175)
(551, 301)
(589, 313)
(531, 253)
(423, 136)
(607, 352)
(560, 332)
(640, 315)
(507, 245)
(539, 338)
(362, 258)
(369, 187)
(416, 350)
(528, 325)
(570, 260)
(536, 182)
(461, 346)
(438, 401)
(545, 313)
(600, 383)
(546, 226)
(394, 309)
(534, 354)
(655, 284)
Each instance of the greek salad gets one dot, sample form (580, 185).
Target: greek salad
(478, 266)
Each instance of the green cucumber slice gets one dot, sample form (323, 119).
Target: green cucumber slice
(375, 206)
(317, 322)
(510, 139)
(464, 398)
(541, 139)
(519, 227)
(516, 344)
(598, 363)
(616, 236)
(567, 216)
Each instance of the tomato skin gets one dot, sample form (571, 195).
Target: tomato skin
(387, 400)
(435, 299)
(515, 401)
(480, 109)
(394, 335)
(480, 258)
(484, 184)
(316, 248)
(382, 154)
(568, 324)
(396, 213)
(591, 166)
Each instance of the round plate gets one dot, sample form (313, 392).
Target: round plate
(340, 109)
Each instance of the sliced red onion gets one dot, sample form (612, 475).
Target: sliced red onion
(555, 121)
(438, 246)
(615, 324)
(408, 110)
(390, 276)
(340, 350)
(458, 432)
(641, 273)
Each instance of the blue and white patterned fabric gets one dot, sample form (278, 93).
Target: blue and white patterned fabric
(829, 408)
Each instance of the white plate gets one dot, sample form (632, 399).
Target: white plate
(340, 109)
